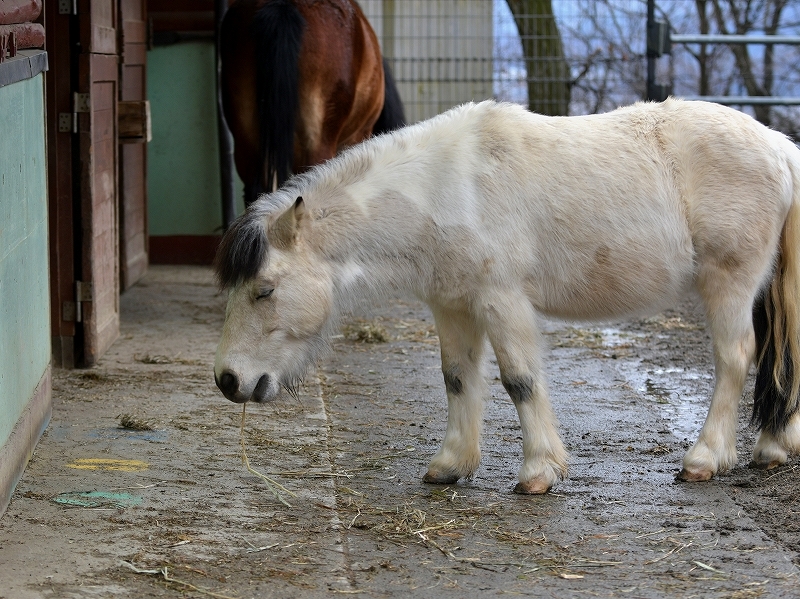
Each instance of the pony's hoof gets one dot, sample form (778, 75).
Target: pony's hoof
(532, 487)
(766, 465)
(439, 478)
(694, 476)
(768, 453)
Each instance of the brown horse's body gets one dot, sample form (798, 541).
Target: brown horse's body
(301, 79)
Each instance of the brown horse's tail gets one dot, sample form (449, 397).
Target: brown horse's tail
(392, 115)
(776, 320)
(278, 30)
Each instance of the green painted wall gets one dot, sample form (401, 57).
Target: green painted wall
(24, 284)
(184, 195)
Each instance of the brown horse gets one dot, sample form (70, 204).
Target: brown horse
(301, 79)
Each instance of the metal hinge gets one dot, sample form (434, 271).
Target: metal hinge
(81, 102)
(65, 121)
(73, 311)
(68, 7)
(83, 292)
(68, 122)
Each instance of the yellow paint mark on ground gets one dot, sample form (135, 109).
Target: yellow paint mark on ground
(109, 464)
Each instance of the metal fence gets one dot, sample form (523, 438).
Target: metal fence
(445, 52)
(440, 51)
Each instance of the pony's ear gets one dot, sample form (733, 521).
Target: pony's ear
(283, 232)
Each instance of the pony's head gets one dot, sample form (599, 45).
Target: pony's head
(279, 303)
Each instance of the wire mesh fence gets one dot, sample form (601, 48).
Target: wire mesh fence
(580, 56)
(440, 51)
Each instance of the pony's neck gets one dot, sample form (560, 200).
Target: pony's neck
(372, 239)
(373, 211)
(376, 250)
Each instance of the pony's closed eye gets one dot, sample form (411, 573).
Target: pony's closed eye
(264, 293)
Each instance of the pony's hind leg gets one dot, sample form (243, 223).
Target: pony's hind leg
(778, 422)
(514, 335)
(773, 449)
(461, 341)
(730, 320)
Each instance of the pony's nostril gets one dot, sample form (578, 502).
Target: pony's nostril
(262, 387)
(228, 383)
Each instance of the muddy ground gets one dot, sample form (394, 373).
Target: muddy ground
(137, 488)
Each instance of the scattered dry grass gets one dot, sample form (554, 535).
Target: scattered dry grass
(363, 331)
(416, 331)
(133, 423)
(591, 339)
(673, 323)
(162, 359)
(274, 487)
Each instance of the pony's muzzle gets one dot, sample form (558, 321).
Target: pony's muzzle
(228, 383)
(262, 390)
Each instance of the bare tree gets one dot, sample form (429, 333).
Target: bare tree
(592, 54)
(605, 46)
(741, 16)
(738, 69)
(548, 73)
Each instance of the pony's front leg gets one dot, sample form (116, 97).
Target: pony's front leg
(514, 335)
(461, 341)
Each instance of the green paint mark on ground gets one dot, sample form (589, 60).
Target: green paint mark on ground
(97, 499)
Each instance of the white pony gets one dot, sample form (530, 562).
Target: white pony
(491, 214)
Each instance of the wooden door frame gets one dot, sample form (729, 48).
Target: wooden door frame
(62, 210)
(82, 179)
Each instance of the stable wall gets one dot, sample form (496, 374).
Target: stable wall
(184, 189)
(25, 346)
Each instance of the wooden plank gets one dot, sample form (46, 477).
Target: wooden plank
(134, 32)
(97, 19)
(132, 82)
(134, 247)
(98, 74)
(105, 68)
(104, 40)
(134, 121)
(104, 128)
(134, 54)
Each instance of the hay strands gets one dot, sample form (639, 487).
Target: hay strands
(165, 573)
(274, 486)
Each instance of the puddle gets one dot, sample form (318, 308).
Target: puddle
(617, 338)
(595, 338)
(681, 395)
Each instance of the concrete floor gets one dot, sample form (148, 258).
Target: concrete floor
(169, 510)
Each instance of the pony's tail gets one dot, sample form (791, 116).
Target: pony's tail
(776, 321)
(278, 30)
(392, 115)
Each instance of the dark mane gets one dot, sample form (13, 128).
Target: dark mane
(242, 251)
